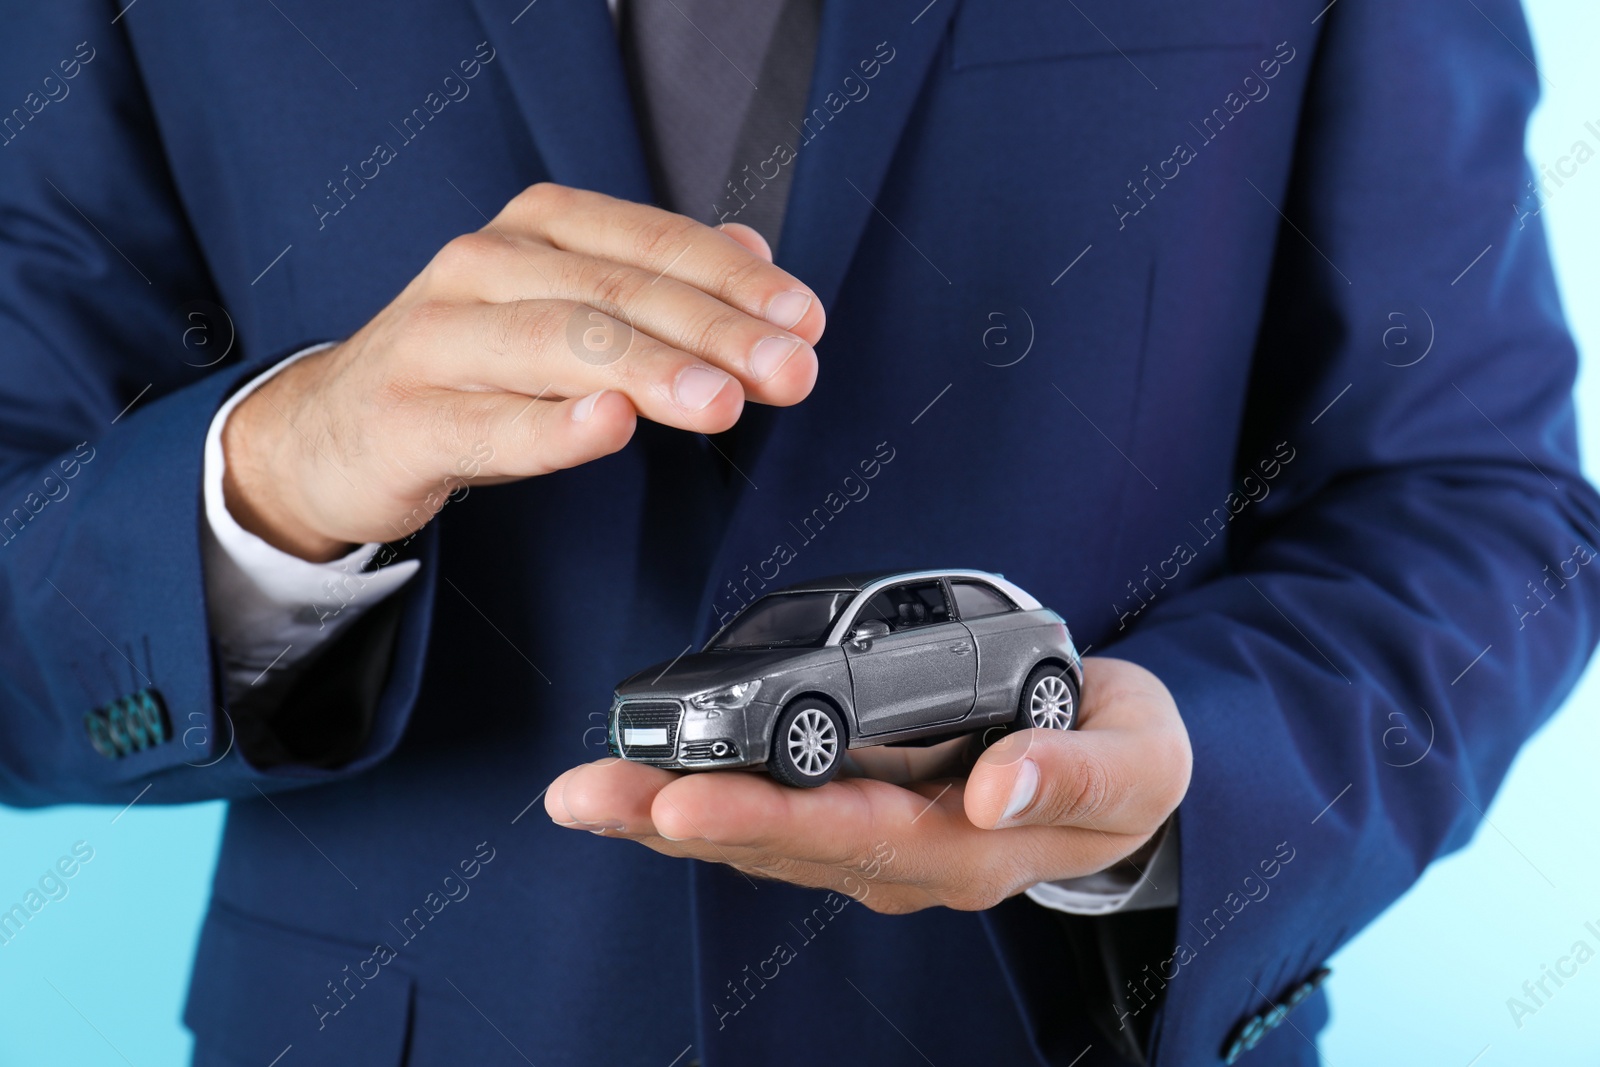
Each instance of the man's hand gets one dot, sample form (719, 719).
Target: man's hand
(523, 348)
(1039, 805)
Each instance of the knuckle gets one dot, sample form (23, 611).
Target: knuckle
(527, 327)
(891, 904)
(508, 325)
(531, 430)
(464, 255)
(747, 277)
(422, 323)
(539, 192)
(530, 209)
(985, 890)
(660, 239)
(1083, 795)
(706, 334)
(615, 289)
(540, 198)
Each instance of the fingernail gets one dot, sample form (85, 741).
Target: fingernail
(769, 356)
(1022, 791)
(585, 407)
(598, 826)
(697, 386)
(788, 308)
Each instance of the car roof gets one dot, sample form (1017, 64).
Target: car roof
(860, 581)
(856, 581)
(852, 582)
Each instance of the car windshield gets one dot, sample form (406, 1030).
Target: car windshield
(783, 620)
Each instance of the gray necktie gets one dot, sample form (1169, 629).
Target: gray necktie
(694, 67)
(720, 87)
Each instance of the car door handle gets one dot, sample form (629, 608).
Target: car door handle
(961, 649)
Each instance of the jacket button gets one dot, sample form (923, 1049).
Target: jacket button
(128, 724)
(100, 735)
(1249, 1033)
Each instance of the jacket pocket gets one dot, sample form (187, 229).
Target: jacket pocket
(1012, 31)
(259, 988)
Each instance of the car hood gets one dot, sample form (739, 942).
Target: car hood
(699, 671)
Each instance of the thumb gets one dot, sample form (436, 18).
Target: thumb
(1114, 780)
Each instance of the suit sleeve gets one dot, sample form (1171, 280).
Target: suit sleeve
(1420, 591)
(108, 679)
(1422, 597)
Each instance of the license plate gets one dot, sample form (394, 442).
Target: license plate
(634, 735)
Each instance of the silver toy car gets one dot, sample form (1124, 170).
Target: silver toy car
(805, 672)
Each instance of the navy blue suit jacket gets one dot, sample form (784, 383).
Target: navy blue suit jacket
(1216, 326)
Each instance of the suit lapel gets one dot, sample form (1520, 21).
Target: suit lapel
(844, 154)
(565, 68)
(842, 158)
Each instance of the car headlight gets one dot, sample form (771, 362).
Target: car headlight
(715, 701)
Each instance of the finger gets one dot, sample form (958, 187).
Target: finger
(663, 243)
(831, 825)
(774, 366)
(624, 797)
(610, 794)
(748, 237)
(919, 764)
(1114, 780)
(527, 436)
(525, 347)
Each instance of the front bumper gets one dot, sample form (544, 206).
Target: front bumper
(664, 732)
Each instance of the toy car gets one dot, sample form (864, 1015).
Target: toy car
(805, 672)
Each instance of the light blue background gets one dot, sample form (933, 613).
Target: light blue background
(99, 977)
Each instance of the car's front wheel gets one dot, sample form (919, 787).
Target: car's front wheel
(807, 745)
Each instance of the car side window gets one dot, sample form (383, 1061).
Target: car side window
(904, 607)
(976, 599)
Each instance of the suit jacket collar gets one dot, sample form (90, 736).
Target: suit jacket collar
(565, 69)
(841, 168)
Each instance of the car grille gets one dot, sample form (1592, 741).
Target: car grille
(662, 715)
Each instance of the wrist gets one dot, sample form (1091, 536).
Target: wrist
(261, 446)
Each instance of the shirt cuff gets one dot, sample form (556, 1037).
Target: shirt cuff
(269, 609)
(1147, 879)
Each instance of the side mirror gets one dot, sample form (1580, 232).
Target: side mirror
(862, 636)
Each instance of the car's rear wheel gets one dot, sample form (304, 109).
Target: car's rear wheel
(1049, 700)
(807, 744)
